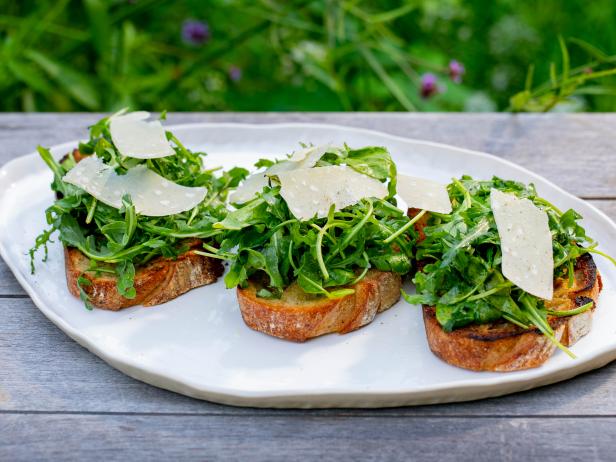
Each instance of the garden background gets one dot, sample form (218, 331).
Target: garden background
(274, 55)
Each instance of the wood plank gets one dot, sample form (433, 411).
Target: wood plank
(606, 206)
(266, 437)
(8, 283)
(68, 378)
(565, 148)
(44, 370)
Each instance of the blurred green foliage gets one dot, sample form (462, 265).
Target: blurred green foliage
(321, 55)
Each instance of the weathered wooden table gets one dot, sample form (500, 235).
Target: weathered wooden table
(58, 401)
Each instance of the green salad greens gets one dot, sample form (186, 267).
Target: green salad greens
(265, 242)
(118, 240)
(462, 276)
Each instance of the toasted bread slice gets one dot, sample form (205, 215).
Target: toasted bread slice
(299, 316)
(157, 282)
(503, 346)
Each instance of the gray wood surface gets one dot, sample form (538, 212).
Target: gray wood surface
(277, 437)
(58, 401)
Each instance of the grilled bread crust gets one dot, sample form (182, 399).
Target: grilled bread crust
(156, 282)
(298, 316)
(505, 347)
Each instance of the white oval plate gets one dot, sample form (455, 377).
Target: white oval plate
(198, 345)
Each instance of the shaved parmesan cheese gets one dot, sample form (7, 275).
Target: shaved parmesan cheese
(304, 158)
(308, 157)
(424, 194)
(151, 194)
(526, 243)
(134, 137)
(311, 192)
(256, 182)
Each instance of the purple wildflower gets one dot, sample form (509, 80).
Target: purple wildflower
(235, 73)
(195, 32)
(456, 71)
(428, 86)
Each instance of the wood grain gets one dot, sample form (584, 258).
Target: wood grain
(8, 283)
(58, 401)
(270, 437)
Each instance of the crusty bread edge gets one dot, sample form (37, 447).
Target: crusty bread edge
(157, 282)
(523, 349)
(375, 293)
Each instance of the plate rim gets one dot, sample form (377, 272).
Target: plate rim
(325, 398)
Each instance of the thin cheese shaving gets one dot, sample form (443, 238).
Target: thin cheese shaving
(151, 194)
(133, 136)
(308, 157)
(311, 192)
(304, 158)
(424, 194)
(257, 181)
(526, 243)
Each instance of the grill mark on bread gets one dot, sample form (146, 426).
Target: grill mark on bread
(585, 266)
(503, 346)
(583, 300)
(156, 282)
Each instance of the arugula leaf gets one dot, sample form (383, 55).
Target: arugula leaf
(372, 161)
(267, 163)
(122, 238)
(251, 213)
(125, 271)
(324, 256)
(462, 275)
(81, 283)
(71, 233)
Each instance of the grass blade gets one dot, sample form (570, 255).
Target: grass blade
(386, 79)
(566, 64)
(592, 50)
(74, 83)
(100, 25)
